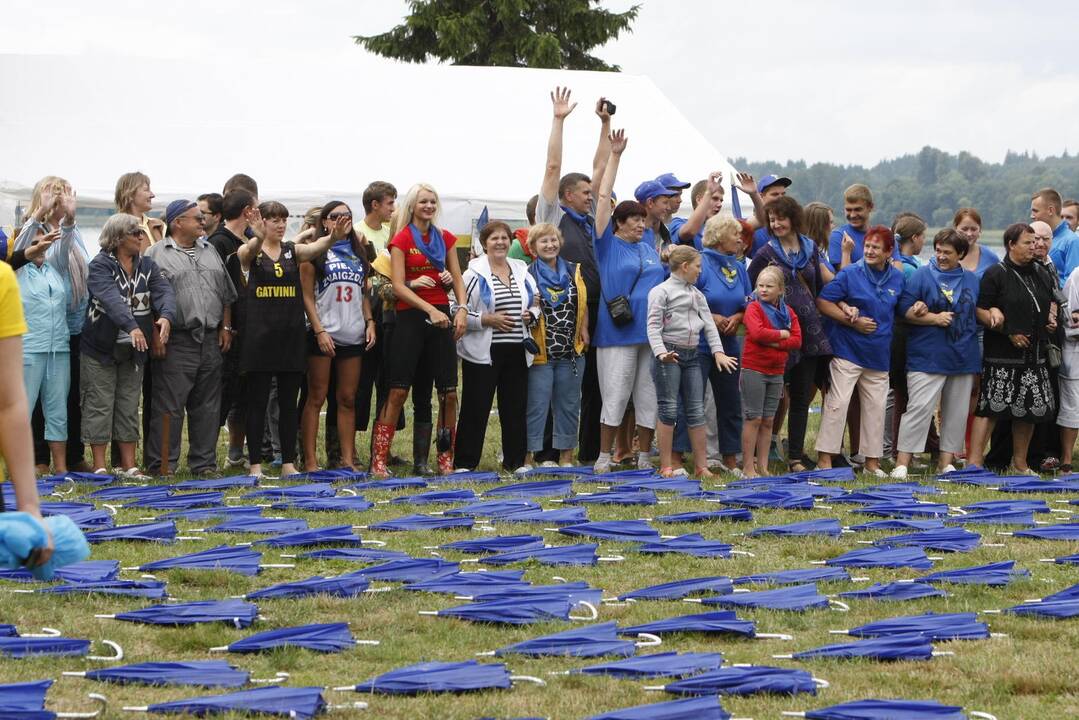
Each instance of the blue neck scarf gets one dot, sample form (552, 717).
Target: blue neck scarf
(585, 221)
(553, 283)
(779, 315)
(877, 278)
(947, 281)
(725, 266)
(798, 260)
(435, 250)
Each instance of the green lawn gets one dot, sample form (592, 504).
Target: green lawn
(1029, 674)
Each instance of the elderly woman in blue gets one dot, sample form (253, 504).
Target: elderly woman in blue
(860, 302)
(940, 302)
(628, 270)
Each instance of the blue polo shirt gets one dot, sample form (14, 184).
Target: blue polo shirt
(619, 263)
(697, 241)
(1065, 251)
(725, 284)
(761, 236)
(952, 350)
(874, 298)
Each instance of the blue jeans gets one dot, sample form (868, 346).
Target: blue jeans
(728, 400)
(556, 382)
(679, 384)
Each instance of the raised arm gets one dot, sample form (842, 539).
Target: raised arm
(748, 185)
(247, 252)
(699, 216)
(603, 147)
(603, 200)
(561, 107)
(312, 250)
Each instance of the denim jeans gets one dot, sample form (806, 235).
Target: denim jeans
(680, 380)
(727, 398)
(556, 382)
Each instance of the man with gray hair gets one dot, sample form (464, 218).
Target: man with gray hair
(187, 372)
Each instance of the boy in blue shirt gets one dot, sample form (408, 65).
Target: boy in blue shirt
(846, 241)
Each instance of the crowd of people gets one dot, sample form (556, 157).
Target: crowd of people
(601, 327)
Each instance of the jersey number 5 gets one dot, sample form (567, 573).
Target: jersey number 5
(278, 271)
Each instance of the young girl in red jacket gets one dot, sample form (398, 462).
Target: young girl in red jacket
(771, 333)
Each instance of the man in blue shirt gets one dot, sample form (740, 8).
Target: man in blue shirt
(1046, 206)
(656, 199)
(669, 181)
(845, 242)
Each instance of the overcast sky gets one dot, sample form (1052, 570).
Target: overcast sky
(849, 82)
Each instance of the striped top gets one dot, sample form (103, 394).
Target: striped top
(507, 300)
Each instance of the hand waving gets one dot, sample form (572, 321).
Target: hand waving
(560, 103)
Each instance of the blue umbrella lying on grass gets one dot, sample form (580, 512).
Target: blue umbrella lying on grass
(350, 585)
(781, 497)
(294, 491)
(1034, 506)
(1064, 531)
(587, 641)
(472, 476)
(669, 664)
(357, 554)
(130, 492)
(730, 514)
(993, 517)
(992, 574)
(320, 637)
(202, 673)
(824, 475)
(495, 544)
(678, 589)
(1064, 559)
(579, 554)
(183, 501)
(237, 559)
(53, 645)
(1035, 485)
(615, 530)
(62, 507)
(693, 544)
(330, 475)
(947, 540)
(745, 680)
(575, 592)
(682, 485)
(934, 626)
(796, 577)
(905, 510)
(259, 525)
(225, 483)
(909, 646)
(390, 484)
(888, 710)
(898, 524)
(92, 519)
(438, 677)
(337, 503)
(722, 621)
(26, 701)
(234, 612)
(21, 534)
(162, 532)
(300, 703)
(147, 589)
(705, 707)
(410, 569)
(528, 490)
(615, 497)
(422, 522)
(518, 611)
(325, 535)
(231, 511)
(883, 557)
(895, 591)
(494, 508)
(86, 571)
(821, 526)
(436, 497)
(559, 516)
(868, 497)
(471, 584)
(914, 487)
(1058, 606)
(795, 597)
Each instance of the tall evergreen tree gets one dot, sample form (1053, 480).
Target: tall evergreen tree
(512, 33)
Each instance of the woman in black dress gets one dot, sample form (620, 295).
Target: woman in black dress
(274, 337)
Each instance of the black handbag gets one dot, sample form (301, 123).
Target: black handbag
(619, 307)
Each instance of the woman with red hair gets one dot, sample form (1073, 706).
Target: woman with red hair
(860, 305)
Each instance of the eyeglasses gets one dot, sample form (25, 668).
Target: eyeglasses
(135, 233)
(338, 216)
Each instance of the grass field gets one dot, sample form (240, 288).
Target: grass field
(1029, 674)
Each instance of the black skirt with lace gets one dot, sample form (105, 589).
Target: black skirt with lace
(1022, 392)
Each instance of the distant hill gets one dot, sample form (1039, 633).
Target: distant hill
(933, 183)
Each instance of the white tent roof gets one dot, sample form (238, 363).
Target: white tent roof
(310, 131)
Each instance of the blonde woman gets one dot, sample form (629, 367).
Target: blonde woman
(134, 197)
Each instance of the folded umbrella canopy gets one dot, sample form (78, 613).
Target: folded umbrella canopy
(895, 591)
(294, 491)
(471, 584)
(1035, 506)
(351, 585)
(202, 673)
(784, 497)
(745, 680)
(183, 501)
(680, 485)
(1054, 609)
(898, 524)
(795, 597)
(21, 534)
(321, 637)
(80, 572)
(616, 530)
(26, 701)
(88, 478)
(869, 497)
(722, 621)
(234, 612)
(242, 560)
(669, 664)
(575, 592)
(517, 611)
(325, 535)
(537, 489)
(436, 497)
(92, 519)
(796, 577)
(821, 526)
(579, 554)
(992, 574)
(615, 497)
(162, 532)
(148, 589)
(678, 589)
(993, 517)
(422, 522)
(934, 626)
(54, 645)
(300, 703)
(1065, 531)
(586, 641)
(558, 516)
(225, 483)
(65, 508)
(704, 707)
(914, 487)
(946, 540)
(390, 484)
(1034, 485)
(330, 475)
(130, 492)
(259, 525)
(410, 569)
(494, 508)
(909, 646)
(1068, 560)
(905, 510)
(693, 544)
(337, 503)
(888, 710)
(438, 677)
(231, 511)
(839, 474)
(471, 476)
(883, 557)
(729, 514)
(359, 554)
(495, 544)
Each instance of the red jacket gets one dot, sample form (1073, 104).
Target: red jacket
(756, 355)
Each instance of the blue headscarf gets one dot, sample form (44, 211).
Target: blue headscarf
(723, 265)
(947, 281)
(798, 260)
(554, 283)
(779, 314)
(435, 250)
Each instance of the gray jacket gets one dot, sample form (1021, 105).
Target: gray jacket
(202, 287)
(677, 313)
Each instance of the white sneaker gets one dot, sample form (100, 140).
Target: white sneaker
(877, 473)
(680, 472)
(523, 469)
(900, 472)
(602, 466)
(644, 462)
(549, 463)
(947, 469)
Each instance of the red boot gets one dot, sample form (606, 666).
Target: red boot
(380, 449)
(445, 459)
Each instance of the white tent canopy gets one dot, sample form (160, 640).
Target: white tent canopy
(313, 130)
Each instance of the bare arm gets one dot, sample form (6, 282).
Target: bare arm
(699, 216)
(318, 248)
(307, 283)
(16, 442)
(553, 170)
(603, 201)
(748, 185)
(247, 252)
(603, 147)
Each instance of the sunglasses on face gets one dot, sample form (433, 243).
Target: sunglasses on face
(339, 215)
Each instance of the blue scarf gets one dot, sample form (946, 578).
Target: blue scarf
(877, 278)
(947, 281)
(585, 221)
(909, 260)
(554, 283)
(797, 261)
(725, 266)
(779, 315)
(435, 250)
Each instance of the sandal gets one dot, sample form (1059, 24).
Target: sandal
(704, 473)
(1065, 468)
(797, 466)
(666, 472)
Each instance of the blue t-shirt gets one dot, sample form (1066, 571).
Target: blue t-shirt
(761, 236)
(910, 263)
(875, 298)
(835, 244)
(1065, 251)
(951, 350)
(619, 262)
(986, 259)
(725, 284)
(696, 241)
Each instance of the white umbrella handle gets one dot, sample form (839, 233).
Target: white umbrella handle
(839, 605)
(350, 491)
(821, 682)
(278, 677)
(592, 608)
(983, 715)
(791, 713)
(376, 543)
(611, 558)
(45, 632)
(348, 706)
(651, 640)
(118, 656)
(102, 702)
(742, 552)
(528, 678)
(773, 636)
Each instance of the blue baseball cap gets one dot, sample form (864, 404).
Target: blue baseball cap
(769, 180)
(176, 208)
(668, 180)
(651, 189)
